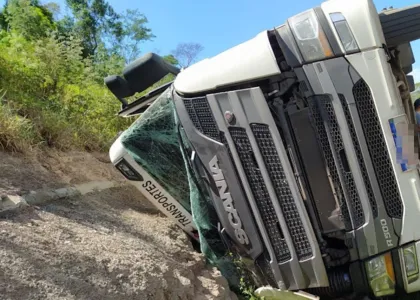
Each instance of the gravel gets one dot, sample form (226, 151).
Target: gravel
(107, 245)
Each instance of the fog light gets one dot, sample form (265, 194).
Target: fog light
(381, 275)
(128, 171)
(411, 263)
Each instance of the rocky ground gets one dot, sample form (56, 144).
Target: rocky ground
(107, 245)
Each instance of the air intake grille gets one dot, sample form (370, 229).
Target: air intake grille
(284, 194)
(264, 265)
(359, 156)
(224, 141)
(356, 208)
(259, 190)
(329, 159)
(378, 149)
(262, 261)
(200, 114)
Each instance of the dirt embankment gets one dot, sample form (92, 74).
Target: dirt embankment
(20, 175)
(107, 245)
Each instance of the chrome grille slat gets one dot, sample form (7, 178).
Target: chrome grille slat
(378, 149)
(329, 159)
(359, 155)
(356, 208)
(259, 190)
(281, 186)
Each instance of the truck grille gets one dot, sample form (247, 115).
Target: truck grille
(200, 114)
(264, 265)
(281, 186)
(224, 141)
(378, 150)
(329, 159)
(356, 208)
(360, 159)
(259, 190)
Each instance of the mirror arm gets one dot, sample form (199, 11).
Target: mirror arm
(124, 102)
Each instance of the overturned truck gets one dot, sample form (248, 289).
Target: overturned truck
(295, 150)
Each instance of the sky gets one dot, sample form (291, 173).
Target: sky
(221, 24)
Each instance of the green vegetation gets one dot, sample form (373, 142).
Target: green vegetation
(247, 290)
(52, 70)
(58, 93)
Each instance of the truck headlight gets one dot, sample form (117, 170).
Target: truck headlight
(411, 263)
(344, 32)
(310, 37)
(381, 275)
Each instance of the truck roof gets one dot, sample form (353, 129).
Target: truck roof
(251, 60)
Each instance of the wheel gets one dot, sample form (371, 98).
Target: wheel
(195, 244)
(413, 296)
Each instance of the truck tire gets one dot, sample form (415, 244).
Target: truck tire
(413, 296)
(401, 26)
(196, 245)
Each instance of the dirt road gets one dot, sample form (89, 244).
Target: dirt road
(107, 245)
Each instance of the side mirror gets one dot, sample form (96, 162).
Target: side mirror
(119, 87)
(139, 75)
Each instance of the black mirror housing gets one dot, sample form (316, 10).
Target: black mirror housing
(139, 75)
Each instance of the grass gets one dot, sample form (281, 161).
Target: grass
(52, 97)
(247, 290)
(17, 133)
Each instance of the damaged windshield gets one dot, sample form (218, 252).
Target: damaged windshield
(157, 142)
(153, 142)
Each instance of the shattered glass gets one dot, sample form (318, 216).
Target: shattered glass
(152, 141)
(161, 148)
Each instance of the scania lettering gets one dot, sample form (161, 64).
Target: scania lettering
(234, 218)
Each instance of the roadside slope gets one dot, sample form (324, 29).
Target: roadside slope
(107, 245)
(52, 169)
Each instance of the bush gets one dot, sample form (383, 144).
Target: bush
(55, 96)
(17, 133)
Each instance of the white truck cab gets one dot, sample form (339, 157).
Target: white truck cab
(303, 139)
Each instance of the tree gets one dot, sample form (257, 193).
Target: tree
(28, 18)
(53, 8)
(134, 31)
(187, 53)
(4, 24)
(65, 27)
(92, 20)
(171, 59)
(97, 23)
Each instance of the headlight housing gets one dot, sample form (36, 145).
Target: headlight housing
(381, 275)
(344, 32)
(128, 171)
(310, 37)
(411, 263)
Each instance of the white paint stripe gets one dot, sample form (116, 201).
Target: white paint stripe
(92, 186)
